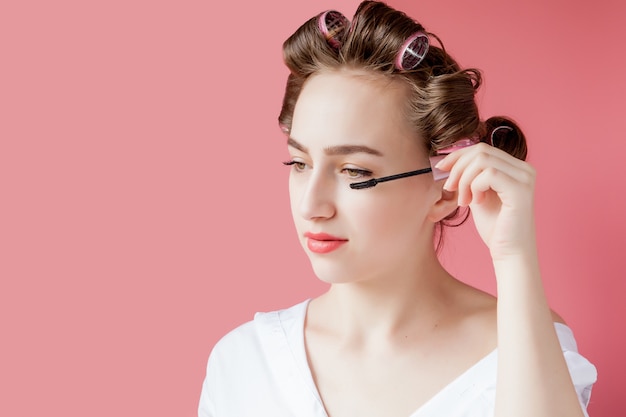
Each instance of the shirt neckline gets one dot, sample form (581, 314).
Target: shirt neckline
(464, 382)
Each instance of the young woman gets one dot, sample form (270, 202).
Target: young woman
(375, 115)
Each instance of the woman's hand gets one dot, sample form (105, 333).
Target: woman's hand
(499, 189)
(533, 378)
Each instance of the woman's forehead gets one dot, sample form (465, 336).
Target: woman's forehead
(339, 106)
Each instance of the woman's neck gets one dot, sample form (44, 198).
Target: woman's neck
(378, 308)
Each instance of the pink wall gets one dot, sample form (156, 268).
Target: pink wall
(144, 209)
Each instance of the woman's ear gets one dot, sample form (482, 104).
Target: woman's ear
(444, 206)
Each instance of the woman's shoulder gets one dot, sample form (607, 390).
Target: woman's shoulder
(475, 307)
(252, 335)
(478, 304)
(250, 368)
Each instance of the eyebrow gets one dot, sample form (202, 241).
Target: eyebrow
(336, 150)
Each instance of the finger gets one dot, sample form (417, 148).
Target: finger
(488, 168)
(510, 190)
(453, 158)
(469, 164)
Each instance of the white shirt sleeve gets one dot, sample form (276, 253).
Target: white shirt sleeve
(205, 409)
(582, 372)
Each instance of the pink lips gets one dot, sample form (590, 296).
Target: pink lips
(323, 242)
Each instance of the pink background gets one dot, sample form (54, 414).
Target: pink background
(144, 208)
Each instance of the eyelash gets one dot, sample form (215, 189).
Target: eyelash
(299, 166)
(360, 173)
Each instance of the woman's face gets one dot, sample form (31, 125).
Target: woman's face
(349, 127)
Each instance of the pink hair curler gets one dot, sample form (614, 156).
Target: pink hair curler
(333, 26)
(412, 52)
(493, 133)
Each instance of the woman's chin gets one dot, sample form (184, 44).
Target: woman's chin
(333, 273)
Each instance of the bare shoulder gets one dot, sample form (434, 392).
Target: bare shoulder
(476, 314)
(476, 302)
(483, 306)
(557, 318)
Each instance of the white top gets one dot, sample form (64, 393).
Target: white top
(261, 369)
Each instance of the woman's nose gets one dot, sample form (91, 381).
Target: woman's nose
(318, 197)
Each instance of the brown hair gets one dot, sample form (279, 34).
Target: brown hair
(441, 103)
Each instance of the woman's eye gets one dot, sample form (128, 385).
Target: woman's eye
(354, 173)
(299, 166)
